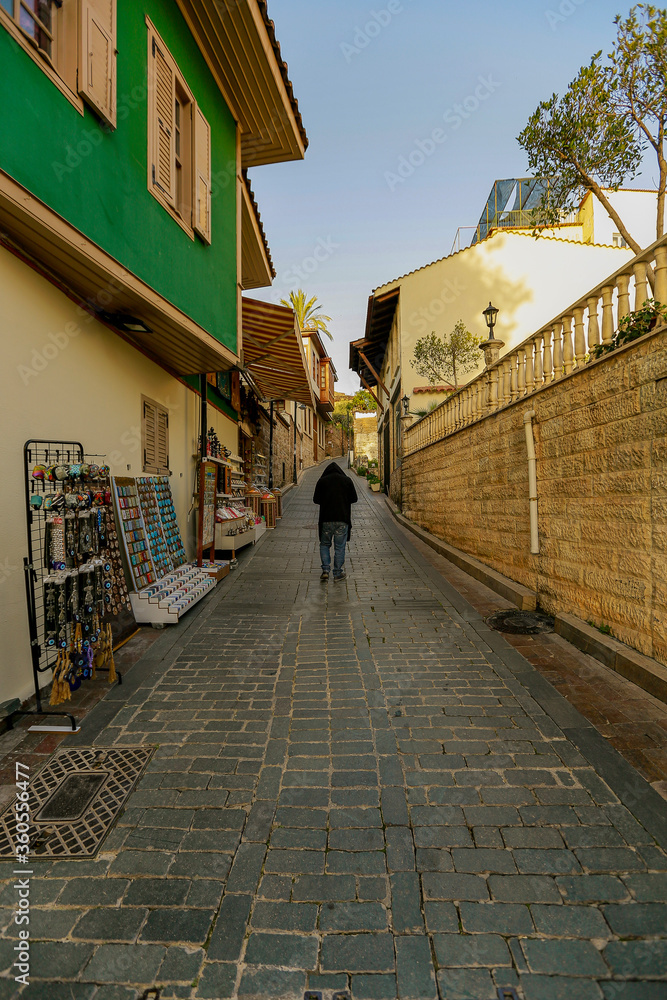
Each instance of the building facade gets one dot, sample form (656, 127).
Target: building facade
(128, 234)
(525, 279)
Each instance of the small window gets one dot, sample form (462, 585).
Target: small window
(618, 241)
(74, 43)
(154, 437)
(179, 143)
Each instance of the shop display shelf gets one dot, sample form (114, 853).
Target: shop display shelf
(166, 601)
(231, 543)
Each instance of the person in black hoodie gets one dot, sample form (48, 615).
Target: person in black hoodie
(335, 493)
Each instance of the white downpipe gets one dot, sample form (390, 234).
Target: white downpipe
(532, 481)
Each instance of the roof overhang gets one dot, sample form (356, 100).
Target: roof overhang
(81, 268)
(379, 320)
(273, 352)
(257, 269)
(237, 39)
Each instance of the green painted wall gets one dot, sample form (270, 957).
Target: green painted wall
(97, 179)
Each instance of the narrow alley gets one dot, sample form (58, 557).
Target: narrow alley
(357, 789)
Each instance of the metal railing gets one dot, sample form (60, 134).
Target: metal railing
(559, 348)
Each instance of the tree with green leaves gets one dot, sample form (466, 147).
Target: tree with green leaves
(363, 402)
(308, 312)
(446, 359)
(594, 137)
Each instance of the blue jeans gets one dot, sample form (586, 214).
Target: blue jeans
(336, 532)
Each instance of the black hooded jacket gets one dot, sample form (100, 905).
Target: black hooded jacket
(335, 493)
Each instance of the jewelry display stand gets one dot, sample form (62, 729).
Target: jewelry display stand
(165, 585)
(42, 504)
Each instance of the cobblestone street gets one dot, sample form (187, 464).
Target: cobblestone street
(357, 787)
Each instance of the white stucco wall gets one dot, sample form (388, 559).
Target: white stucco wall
(637, 209)
(529, 280)
(84, 387)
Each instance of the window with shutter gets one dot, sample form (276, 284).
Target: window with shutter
(202, 176)
(48, 32)
(154, 437)
(97, 56)
(179, 143)
(162, 441)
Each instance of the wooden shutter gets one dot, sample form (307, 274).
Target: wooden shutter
(162, 440)
(162, 98)
(97, 56)
(236, 392)
(155, 437)
(148, 435)
(201, 174)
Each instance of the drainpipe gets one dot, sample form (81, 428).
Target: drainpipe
(532, 481)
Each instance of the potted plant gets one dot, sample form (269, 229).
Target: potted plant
(374, 483)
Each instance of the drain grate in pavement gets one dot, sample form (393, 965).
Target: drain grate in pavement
(520, 622)
(74, 801)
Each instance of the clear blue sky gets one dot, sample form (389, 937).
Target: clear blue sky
(370, 89)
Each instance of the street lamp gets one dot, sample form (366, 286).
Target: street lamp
(489, 315)
(406, 405)
(491, 347)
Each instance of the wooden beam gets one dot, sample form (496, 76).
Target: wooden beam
(367, 386)
(374, 374)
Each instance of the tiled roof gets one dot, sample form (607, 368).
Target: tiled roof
(513, 232)
(284, 72)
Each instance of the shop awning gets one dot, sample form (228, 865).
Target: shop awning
(273, 352)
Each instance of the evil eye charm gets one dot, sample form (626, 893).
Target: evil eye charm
(74, 682)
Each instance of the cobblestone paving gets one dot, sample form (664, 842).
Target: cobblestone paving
(352, 791)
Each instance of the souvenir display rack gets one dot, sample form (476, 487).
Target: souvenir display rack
(73, 571)
(226, 542)
(165, 585)
(208, 488)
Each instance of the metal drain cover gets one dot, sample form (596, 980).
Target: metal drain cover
(74, 801)
(520, 622)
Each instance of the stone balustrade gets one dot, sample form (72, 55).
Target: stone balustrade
(560, 348)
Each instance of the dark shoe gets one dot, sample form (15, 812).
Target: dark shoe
(341, 576)
(324, 576)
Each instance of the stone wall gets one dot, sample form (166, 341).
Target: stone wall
(601, 446)
(365, 437)
(337, 441)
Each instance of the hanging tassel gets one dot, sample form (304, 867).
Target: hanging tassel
(55, 684)
(109, 655)
(60, 690)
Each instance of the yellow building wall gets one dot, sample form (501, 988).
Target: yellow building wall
(67, 377)
(529, 280)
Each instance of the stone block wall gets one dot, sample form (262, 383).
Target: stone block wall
(601, 445)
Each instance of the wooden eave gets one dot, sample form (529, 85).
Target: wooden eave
(237, 39)
(81, 268)
(379, 320)
(256, 266)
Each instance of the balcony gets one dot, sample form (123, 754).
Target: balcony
(326, 389)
